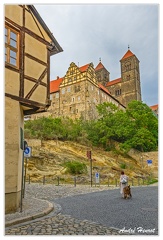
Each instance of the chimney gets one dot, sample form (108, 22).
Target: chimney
(57, 77)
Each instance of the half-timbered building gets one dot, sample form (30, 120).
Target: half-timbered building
(28, 47)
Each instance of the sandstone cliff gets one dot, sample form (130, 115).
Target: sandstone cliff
(48, 158)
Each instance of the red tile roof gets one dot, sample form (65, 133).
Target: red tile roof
(118, 80)
(99, 66)
(154, 107)
(127, 54)
(84, 68)
(54, 85)
(103, 88)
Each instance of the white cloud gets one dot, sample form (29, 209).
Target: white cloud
(87, 32)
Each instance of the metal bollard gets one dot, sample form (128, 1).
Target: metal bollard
(74, 181)
(132, 182)
(29, 179)
(116, 182)
(24, 187)
(43, 180)
(58, 181)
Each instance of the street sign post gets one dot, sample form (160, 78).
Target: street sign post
(28, 152)
(89, 155)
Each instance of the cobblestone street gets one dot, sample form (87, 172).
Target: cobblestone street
(61, 225)
(38, 202)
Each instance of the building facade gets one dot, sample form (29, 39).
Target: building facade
(77, 94)
(28, 47)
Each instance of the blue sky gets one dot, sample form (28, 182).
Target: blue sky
(87, 32)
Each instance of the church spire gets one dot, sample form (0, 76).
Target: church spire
(127, 54)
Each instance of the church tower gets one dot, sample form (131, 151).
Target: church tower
(103, 76)
(130, 78)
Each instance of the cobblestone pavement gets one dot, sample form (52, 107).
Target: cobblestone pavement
(37, 197)
(36, 204)
(61, 225)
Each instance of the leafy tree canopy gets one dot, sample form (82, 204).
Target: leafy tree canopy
(136, 127)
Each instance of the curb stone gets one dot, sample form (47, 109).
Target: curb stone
(49, 209)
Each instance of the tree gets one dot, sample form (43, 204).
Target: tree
(137, 127)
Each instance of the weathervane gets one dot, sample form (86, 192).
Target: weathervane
(128, 46)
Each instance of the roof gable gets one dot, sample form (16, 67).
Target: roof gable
(84, 68)
(127, 54)
(55, 47)
(99, 66)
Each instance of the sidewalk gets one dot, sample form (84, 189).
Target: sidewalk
(32, 208)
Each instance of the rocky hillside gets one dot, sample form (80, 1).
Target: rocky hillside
(48, 158)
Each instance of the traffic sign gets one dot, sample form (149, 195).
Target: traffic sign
(97, 177)
(149, 162)
(89, 154)
(28, 152)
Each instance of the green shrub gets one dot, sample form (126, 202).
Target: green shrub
(75, 167)
(123, 165)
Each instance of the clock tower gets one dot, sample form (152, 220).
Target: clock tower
(130, 78)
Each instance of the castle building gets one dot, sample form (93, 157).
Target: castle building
(77, 94)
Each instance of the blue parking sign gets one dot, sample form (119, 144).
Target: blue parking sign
(97, 178)
(149, 162)
(97, 175)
